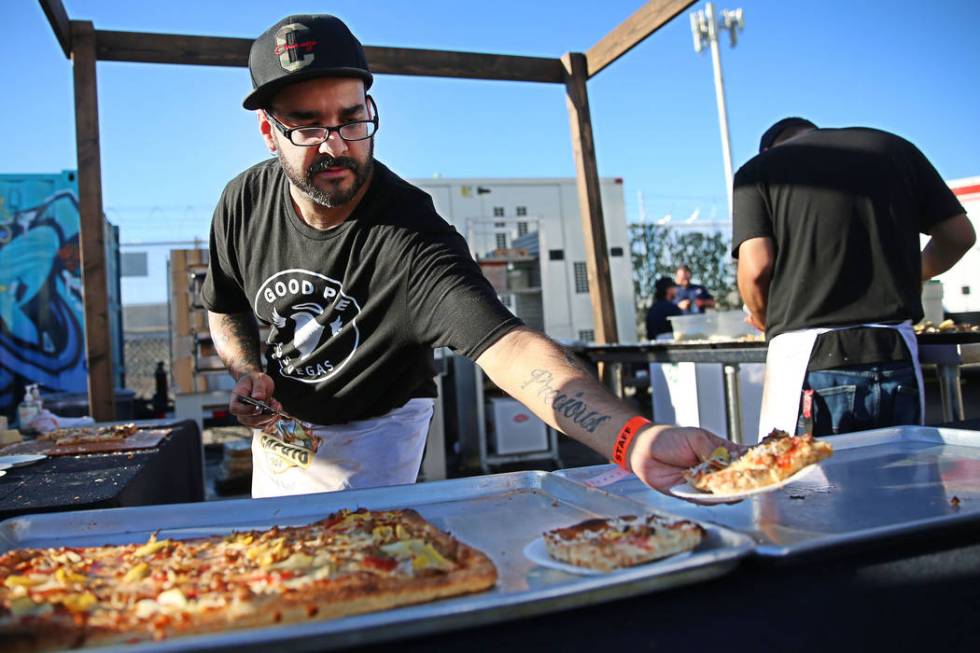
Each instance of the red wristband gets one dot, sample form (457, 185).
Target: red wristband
(626, 434)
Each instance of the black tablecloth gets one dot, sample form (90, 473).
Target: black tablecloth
(170, 473)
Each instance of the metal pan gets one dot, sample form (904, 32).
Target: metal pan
(878, 484)
(498, 514)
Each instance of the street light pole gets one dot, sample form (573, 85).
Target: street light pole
(704, 28)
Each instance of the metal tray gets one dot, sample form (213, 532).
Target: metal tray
(878, 484)
(498, 514)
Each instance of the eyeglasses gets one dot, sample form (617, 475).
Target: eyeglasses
(356, 130)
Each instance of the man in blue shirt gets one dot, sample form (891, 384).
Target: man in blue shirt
(690, 297)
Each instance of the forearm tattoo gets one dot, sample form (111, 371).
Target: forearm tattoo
(571, 406)
(237, 340)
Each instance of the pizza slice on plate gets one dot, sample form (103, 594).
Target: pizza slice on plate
(614, 543)
(778, 457)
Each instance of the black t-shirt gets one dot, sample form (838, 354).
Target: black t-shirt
(657, 315)
(844, 208)
(356, 310)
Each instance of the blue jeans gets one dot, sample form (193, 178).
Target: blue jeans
(861, 397)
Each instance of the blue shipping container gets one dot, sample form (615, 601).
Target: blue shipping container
(42, 319)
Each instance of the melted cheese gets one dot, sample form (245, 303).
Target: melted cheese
(66, 576)
(23, 606)
(68, 557)
(295, 562)
(152, 546)
(79, 602)
(24, 581)
(137, 572)
(422, 554)
(172, 598)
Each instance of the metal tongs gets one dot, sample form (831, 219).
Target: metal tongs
(263, 407)
(285, 425)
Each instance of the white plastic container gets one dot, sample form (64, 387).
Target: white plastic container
(30, 407)
(932, 301)
(724, 325)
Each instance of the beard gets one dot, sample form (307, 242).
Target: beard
(335, 195)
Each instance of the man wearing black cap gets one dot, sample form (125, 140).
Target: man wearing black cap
(357, 279)
(826, 232)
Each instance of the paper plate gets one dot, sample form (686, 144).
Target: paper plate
(685, 491)
(17, 460)
(537, 552)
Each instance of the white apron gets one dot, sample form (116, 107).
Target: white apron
(786, 363)
(385, 450)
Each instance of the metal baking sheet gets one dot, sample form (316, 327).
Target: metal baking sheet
(498, 514)
(878, 484)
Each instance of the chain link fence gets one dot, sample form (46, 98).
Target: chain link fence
(143, 350)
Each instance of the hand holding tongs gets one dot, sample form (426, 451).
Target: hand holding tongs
(263, 407)
(284, 425)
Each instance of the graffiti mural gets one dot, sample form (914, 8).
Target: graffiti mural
(41, 314)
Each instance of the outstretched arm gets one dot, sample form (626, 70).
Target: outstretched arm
(557, 388)
(236, 338)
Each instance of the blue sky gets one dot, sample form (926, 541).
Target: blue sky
(173, 135)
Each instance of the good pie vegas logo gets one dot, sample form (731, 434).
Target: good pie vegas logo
(314, 332)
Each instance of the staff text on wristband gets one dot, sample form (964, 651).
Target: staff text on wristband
(626, 434)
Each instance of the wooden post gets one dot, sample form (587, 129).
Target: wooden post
(91, 234)
(590, 202)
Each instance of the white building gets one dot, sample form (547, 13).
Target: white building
(527, 236)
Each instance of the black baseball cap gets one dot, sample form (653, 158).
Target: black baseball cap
(302, 47)
(778, 128)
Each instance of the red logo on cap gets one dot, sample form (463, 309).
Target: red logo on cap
(305, 46)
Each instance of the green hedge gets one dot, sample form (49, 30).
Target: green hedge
(657, 250)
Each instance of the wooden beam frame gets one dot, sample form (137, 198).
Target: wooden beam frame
(144, 47)
(624, 37)
(86, 46)
(220, 51)
(466, 65)
(60, 25)
(92, 224)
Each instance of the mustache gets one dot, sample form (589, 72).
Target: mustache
(332, 162)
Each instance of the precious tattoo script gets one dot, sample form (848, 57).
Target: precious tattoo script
(571, 406)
